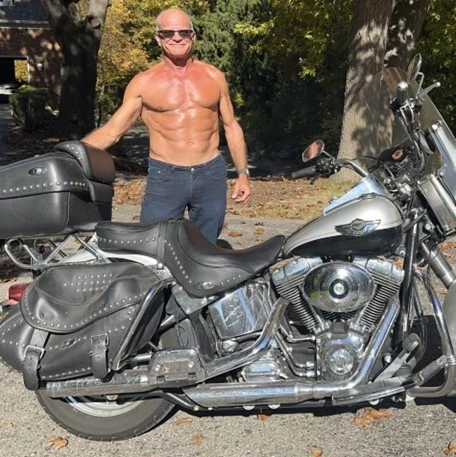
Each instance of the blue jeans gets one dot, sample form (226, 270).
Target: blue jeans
(202, 189)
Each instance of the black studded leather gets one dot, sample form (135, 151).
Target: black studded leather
(72, 314)
(96, 163)
(200, 267)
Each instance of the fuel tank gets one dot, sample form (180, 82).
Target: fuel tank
(371, 225)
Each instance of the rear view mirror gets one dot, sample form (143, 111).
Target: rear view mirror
(313, 150)
(414, 68)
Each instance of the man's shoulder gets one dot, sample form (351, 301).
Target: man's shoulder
(150, 72)
(211, 70)
(146, 75)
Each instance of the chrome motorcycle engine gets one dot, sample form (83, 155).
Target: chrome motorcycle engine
(336, 305)
(334, 308)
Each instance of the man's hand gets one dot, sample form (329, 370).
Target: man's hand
(242, 190)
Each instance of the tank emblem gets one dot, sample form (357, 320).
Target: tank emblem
(358, 227)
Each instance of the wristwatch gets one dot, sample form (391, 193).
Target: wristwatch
(243, 171)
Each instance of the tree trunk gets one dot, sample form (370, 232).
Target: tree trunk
(367, 52)
(406, 25)
(79, 39)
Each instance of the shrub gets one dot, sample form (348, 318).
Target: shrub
(28, 107)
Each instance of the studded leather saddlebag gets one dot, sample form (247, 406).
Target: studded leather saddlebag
(56, 193)
(75, 321)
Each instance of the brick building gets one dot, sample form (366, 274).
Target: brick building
(25, 36)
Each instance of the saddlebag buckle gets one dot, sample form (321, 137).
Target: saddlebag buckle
(99, 355)
(31, 366)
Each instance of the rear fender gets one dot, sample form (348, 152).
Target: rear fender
(86, 256)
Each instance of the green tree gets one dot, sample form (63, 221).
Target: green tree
(121, 56)
(439, 64)
(78, 30)
(302, 48)
(377, 27)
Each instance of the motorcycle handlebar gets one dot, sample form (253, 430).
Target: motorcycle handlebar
(305, 172)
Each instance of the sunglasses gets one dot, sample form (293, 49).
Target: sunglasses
(168, 34)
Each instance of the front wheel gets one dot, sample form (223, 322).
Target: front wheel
(110, 418)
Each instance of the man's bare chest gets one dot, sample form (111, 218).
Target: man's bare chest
(175, 94)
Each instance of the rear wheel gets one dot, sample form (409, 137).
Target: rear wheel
(102, 419)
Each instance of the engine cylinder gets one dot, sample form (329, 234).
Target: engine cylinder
(339, 286)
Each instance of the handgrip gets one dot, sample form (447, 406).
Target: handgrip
(305, 172)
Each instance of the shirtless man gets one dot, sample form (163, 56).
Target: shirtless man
(180, 101)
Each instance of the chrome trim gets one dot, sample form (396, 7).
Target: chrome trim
(239, 394)
(130, 381)
(441, 202)
(439, 264)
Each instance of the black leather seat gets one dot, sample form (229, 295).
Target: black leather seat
(200, 267)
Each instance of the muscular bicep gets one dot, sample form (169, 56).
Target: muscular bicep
(226, 106)
(128, 112)
(111, 132)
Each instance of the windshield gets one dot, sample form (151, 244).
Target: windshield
(387, 129)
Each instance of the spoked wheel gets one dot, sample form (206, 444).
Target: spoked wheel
(108, 418)
(100, 419)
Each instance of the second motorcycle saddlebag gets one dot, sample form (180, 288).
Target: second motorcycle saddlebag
(45, 195)
(74, 321)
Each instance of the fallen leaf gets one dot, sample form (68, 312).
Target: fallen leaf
(451, 449)
(7, 425)
(316, 453)
(380, 413)
(234, 233)
(183, 420)
(258, 231)
(371, 415)
(364, 421)
(262, 417)
(198, 439)
(57, 443)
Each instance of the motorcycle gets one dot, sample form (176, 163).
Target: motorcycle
(332, 315)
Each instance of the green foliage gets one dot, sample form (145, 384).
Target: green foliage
(437, 46)
(285, 61)
(128, 46)
(28, 107)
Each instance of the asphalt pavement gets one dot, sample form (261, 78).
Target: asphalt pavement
(422, 430)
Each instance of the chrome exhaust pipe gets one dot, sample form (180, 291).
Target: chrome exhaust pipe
(283, 392)
(229, 394)
(132, 381)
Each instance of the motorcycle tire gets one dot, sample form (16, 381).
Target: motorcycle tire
(102, 420)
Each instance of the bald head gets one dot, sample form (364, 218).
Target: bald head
(171, 15)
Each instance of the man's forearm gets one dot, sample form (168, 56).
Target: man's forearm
(237, 146)
(100, 138)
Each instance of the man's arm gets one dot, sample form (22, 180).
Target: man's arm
(121, 120)
(236, 143)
